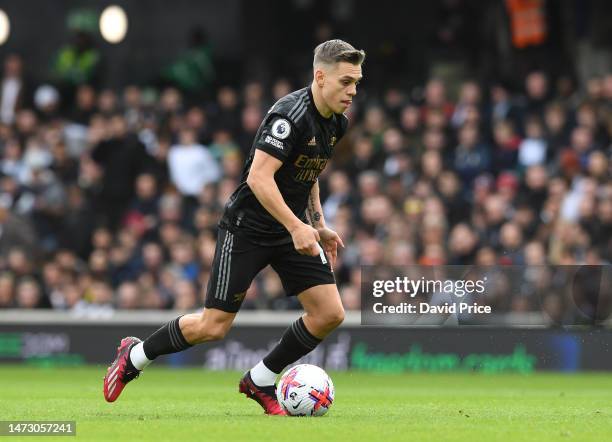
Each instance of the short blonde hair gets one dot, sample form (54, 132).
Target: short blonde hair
(335, 51)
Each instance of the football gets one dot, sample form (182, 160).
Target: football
(305, 390)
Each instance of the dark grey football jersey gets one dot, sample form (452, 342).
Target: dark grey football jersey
(294, 132)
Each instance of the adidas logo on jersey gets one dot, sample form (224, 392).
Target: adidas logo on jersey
(312, 142)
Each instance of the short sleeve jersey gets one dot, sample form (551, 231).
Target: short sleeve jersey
(294, 132)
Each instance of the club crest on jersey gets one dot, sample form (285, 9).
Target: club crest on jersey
(281, 129)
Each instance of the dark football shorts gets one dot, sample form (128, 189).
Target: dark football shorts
(237, 261)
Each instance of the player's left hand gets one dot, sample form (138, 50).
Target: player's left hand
(330, 241)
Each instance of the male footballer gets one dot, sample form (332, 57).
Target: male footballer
(273, 217)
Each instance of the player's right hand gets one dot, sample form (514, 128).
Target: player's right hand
(306, 240)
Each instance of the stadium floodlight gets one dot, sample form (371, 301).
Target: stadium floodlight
(5, 27)
(113, 24)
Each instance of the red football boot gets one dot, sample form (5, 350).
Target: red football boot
(119, 374)
(265, 396)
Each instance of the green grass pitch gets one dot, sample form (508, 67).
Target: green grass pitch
(191, 404)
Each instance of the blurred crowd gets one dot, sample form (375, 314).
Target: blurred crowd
(111, 200)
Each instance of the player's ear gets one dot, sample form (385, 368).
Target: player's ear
(319, 76)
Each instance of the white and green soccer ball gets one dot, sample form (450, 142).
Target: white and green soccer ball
(305, 390)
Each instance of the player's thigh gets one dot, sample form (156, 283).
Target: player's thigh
(236, 262)
(298, 272)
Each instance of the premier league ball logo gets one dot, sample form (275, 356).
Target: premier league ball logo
(281, 129)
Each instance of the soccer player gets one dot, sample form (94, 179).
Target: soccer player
(273, 217)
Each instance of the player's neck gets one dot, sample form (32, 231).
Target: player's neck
(319, 103)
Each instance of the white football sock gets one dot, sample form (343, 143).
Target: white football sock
(138, 357)
(262, 376)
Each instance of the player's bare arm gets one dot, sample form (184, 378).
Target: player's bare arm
(261, 181)
(329, 238)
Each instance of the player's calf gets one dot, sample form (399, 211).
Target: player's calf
(211, 325)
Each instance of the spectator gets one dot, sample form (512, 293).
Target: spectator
(143, 210)
(107, 103)
(449, 188)
(133, 111)
(469, 98)
(7, 288)
(128, 296)
(410, 123)
(339, 194)
(463, 244)
(226, 115)
(363, 157)
(122, 157)
(12, 163)
(183, 256)
(85, 105)
(502, 106)
(77, 63)
(435, 99)
(96, 301)
(537, 93)
(14, 93)
(252, 117)
(191, 165)
(47, 102)
(28, 294)
(506, 146)
(581, 144)
(15, 231)
(557, 132)
(532, 149)
(511, 241)
(186, 296)
(471, 156)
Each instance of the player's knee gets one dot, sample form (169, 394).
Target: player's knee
(333, 318)
(337, 317)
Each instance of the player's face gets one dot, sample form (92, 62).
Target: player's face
(340, 86)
